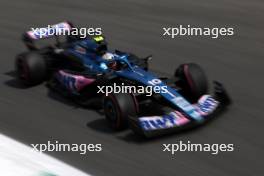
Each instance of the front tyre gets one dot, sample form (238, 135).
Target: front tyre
(192, 79)
(118, 107)
(31, 68)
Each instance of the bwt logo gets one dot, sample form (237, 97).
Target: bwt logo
(68, 81)
(207, 104)
(153, 123)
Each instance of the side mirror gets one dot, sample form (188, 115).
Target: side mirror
(148, 58)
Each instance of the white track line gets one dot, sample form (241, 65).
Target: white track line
(17, 159)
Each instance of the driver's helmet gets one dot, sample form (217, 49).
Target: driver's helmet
(112, 64)
(108, 56)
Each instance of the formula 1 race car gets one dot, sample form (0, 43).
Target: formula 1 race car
(78, 67)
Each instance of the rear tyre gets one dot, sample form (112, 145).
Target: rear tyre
(192, 79)
(117, 108)
(31, 68)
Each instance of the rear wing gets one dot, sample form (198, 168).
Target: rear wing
(36, 34)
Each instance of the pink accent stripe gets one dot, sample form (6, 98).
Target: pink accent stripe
(183, 120)
(188, 77)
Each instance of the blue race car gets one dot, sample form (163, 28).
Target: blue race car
(81, 68)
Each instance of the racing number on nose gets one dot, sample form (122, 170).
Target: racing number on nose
(154, 82)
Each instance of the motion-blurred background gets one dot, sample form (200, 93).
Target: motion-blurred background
(36, 115)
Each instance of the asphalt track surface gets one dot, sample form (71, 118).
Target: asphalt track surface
(36, 115)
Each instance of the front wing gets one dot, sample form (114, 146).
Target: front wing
(208, 106)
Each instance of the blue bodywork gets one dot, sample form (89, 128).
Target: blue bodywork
(85, 51)
(86, 63)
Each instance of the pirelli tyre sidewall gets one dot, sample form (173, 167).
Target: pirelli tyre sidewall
(118, 108)
(193, 79)
(31, 68)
